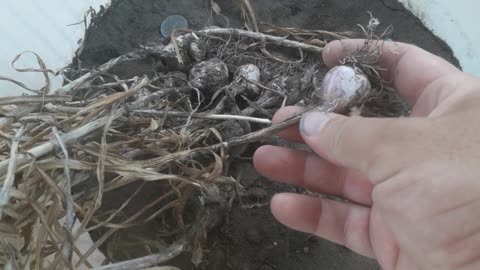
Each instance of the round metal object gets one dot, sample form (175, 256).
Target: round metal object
(171, 23)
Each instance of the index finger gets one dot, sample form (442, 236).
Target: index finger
(410, 69)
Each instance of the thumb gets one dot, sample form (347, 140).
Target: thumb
(351, 142)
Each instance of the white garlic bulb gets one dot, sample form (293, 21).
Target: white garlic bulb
(249, 72)
(248, 75)
(342, 86)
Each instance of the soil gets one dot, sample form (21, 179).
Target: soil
(132, 22)
(248, 236)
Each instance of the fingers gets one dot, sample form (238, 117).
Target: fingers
(408, 67)
(339, 222)
(316, 174)
(384, 243)
(292, 133)
(347, 142)
(359, 143)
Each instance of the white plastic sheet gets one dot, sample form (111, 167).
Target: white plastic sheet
(42, 27)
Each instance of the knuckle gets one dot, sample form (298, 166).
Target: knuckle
(394, 195)
(386, 191)
(381, 193)
(385, 196)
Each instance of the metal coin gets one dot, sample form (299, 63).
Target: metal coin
(171, 23)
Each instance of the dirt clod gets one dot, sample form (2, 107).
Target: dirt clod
(288, 86)
(254, 236)
(176, 56)
(257, 194)
(173, 79)
(197, 50)
(209, 75)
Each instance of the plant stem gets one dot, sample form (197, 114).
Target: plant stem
(206, 116)
(262, 37)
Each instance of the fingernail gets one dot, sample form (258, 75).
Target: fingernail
(312, 123)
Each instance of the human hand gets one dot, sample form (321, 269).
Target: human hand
(411, 185)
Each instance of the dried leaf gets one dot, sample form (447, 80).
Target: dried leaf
(22, 85)
(154, 124)
(132, 149)
(217, 134)
(110, 99)
(12, 167)
(251, 17)
(216, 170)
(162, 268)
(43, 69)
(215, 7)
(140, 263)
(34, 99)
(180, 207)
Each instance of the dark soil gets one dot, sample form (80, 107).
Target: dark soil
(249, 237)
(133, 22)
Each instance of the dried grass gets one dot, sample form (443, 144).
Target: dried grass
(129, 131)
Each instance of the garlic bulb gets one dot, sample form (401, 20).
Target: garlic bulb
(209, 76)
(342, 86)
(249, 72)
(248, 75)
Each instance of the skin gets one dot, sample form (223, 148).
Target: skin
(411, 185)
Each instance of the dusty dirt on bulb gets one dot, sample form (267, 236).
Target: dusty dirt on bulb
(248, 237)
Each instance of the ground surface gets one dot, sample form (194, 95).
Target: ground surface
(249, 237)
